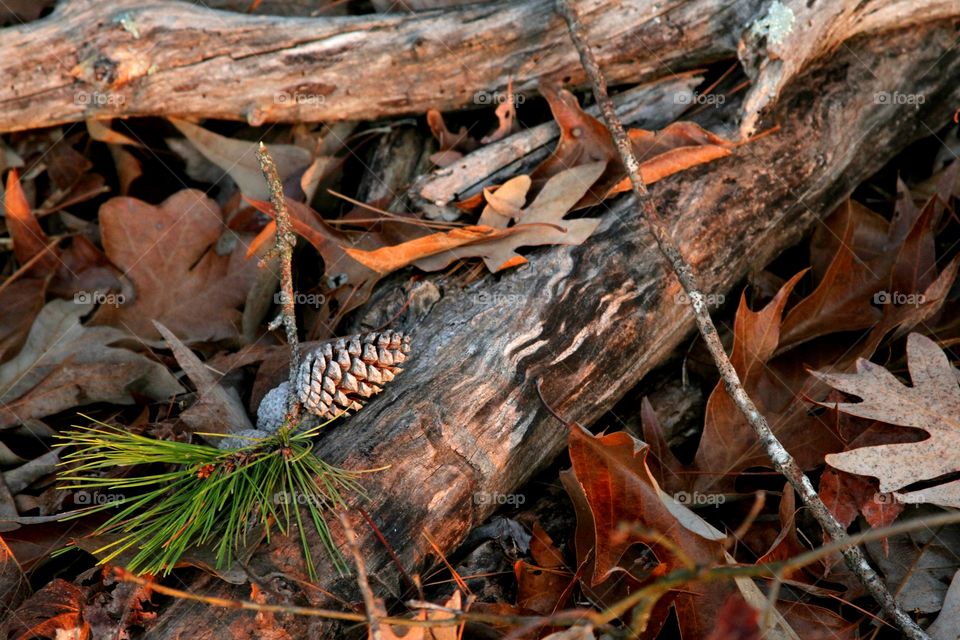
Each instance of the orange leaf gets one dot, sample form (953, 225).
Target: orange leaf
(584, 139)
(28, 238)
(389, 259)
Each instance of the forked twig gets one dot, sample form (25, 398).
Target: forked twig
(783, 462)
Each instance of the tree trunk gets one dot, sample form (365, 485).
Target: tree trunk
(464, 420)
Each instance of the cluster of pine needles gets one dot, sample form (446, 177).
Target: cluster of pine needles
(202, 496)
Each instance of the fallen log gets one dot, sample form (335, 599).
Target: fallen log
(172, 58)
(165, 58)
(464, 421)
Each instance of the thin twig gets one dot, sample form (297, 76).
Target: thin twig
(569, 617)
(285, 240)
(783, 462)
(363, 582)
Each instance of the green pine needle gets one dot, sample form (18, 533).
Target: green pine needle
(208, 496)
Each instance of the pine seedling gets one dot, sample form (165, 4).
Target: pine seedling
(204, 495)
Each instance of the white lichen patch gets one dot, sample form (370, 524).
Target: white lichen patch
(776, 25)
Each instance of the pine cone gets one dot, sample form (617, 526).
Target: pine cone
(341, 375)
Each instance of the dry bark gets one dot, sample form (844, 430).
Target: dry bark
(464, 419)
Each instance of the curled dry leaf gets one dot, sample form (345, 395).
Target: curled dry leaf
(239, 158)
(541, 223)
(179, 278)
(932, 404)
(447, 140)
(29, 240)
(611, 487)
(56, 611)
(506, 116)
(584, 139)
(389, 259)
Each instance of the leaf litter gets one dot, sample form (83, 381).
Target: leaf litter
(181, 270)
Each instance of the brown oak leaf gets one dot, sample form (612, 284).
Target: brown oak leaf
(170, 254)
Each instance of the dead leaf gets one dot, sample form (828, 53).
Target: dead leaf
(842, 300)
(506, 116)
(56, 611)
(217, 410)
(505, 203)
(388, 259)
(447, 632)
(541, 223)
(26, 295)
(611, 486)
(239, 158)
(728, 444)
(64, 364)
(100, 131)
(917, 566)
(29, 239)
(932, 404)
(577, 632)
(736, 620)
(14, 585)
(847, 495)
(348, 282)
(447, 141)
(948, 621)
(543, 587)
(584, 139)
(179, 278)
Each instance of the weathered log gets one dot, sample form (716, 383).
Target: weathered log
(88, 60)
(464, 421)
